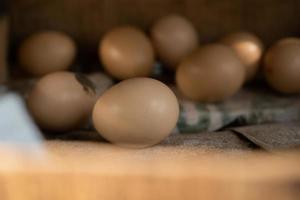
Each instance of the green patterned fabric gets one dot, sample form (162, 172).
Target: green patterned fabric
(249, 106)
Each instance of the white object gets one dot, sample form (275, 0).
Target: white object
(16, 125)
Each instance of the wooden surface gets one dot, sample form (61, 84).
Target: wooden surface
(95, 170)
(3, 48)
(87, 20)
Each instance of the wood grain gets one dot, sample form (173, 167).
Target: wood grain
(4, 27)
(95, 170)
(87, 20)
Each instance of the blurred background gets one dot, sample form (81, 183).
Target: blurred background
(86, 21)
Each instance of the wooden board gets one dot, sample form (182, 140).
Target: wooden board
(3, 48)
(87, 20)
(95, 170)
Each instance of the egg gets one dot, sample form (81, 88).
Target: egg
(289, 40)
(174, 37)
(126, 52)
(46, 52)
(212, 73)
(61, 101)
(136, 113)
(249, 49)
(282, 66)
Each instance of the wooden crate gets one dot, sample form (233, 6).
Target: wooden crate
(3, 48)
(87, 20)
(97, 170)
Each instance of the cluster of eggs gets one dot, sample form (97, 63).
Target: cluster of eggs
(140, 111)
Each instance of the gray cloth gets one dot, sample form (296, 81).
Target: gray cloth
(250, 106)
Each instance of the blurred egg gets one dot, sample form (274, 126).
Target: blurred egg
(211, 74)
(174, 37)
(289, 40)
(249, 49)
(282, 66)
(126, 52)
(46, 52)
(136, 113)
(61, 101)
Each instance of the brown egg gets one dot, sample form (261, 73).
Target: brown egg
(46, 52)
(126, 52)
(282, 66)
(136, 113)
(212, 73)
(249, 49)
(289, 40)
(174, 37)
(61, 101)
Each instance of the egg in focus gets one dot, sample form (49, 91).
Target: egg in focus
(136, 113)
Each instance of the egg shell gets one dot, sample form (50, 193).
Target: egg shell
(126, 52)
(249, 49)
(46, 52)
(174, 37)
(211, 74)
(290, 40)
(136, 113)
(282, 66)
(59, 102)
